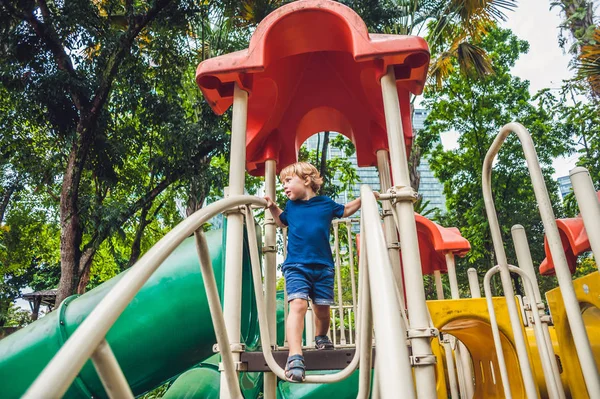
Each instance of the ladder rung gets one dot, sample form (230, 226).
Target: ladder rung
(327, 359)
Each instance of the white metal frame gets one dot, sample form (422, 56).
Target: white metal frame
(589, 207)
(580, 338)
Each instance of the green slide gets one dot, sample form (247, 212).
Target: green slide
(164, 333)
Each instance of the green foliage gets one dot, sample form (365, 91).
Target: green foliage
(15, 317)
(477, 109)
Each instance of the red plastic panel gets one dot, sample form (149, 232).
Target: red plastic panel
(312, 66)
(574, 240)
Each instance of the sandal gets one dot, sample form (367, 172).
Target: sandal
(295, 369)
(323, 342)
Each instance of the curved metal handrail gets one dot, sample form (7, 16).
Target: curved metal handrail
(58, 375)
(580, 338)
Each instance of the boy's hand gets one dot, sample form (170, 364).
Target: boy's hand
(376, 194)
(270, 202)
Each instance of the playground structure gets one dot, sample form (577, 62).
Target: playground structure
(312, 66)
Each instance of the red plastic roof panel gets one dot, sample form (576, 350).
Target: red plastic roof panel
(574, 239)
(312, 66)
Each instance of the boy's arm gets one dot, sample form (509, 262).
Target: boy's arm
(275, 211)
(351, 207)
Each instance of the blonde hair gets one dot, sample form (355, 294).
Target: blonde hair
(303, 170)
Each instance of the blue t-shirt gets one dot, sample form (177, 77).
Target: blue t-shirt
(308, 230)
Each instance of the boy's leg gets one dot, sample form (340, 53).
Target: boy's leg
(322, 319)
(295, 325)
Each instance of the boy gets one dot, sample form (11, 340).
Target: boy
(308, 268)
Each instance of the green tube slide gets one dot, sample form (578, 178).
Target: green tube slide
(166, 332)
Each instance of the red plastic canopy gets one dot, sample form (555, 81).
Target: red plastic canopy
(312, 66)
(574, 239)
(435, 242)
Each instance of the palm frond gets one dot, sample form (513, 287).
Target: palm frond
(589, 62)
(473, 60)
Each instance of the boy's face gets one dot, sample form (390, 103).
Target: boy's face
(296, 188)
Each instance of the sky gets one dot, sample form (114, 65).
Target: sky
(546, 64)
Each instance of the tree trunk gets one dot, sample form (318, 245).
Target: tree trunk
(414, 160)
(323, 165)
(71, 229)
(136, 247)
(6, 199)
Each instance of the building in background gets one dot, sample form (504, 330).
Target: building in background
(430, 187)
(564, 186)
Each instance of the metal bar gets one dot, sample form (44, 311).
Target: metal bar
(473, 283)
(216, 314)
(350, 325)
(270, 262)
(393, 363)
(365, 318)
(413, 275)
(58, 375)
(262, 317)
(452, 275)
(338, 275)
(585, 193)
(580, 338)
(232, 297)
(285, 299)
(526, 264)
(496, 332)
(451, 370)
(351, 263)
(110, 372)
(439, 287)
(549, 377)
(391, 234)
(333, 327)
(309, 327)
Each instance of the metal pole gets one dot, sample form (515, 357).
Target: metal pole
(333, 327)
(351, 260)
(232, 298)
(474, 283)
(309, 327)
(392, 363)
(216, 314)
(391, 233)
(496, 333)
(270, 256)
(110, 372)
(350, 325)
(338, 275)
(547, 370)
(526, 264)
(589, 207)
(580, 338)
(285, 299)
(365, 324)
(415, 292)
(451, 369)
(452, 275)
(439, 287)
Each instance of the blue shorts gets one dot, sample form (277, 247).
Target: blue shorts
(309, 281)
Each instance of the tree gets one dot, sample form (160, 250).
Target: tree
(477, 108)
(102, 81)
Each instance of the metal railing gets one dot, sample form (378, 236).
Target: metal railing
(581, 340)
(89, 337)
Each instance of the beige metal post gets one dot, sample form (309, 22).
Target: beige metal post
(309, 327)
(474, 283)
(392, 362)
(338, 274)
(452, 275)
(285, 299)
(391, 234)
(110, 372)
(364, 317)
(589, 207)
(351, 260)
(232, 299)
(439, 287)
(413, 275)
(451, 369)
(526, 263)
(270, 272)
(580, 338)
